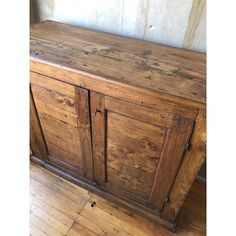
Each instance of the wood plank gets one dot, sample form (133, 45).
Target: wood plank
(135, 129)
(68, 157)
(139, 47)
(138, 173)
(65, 149)
(118, 216)
(55, 223)
(48, 176)
(37, 142)
(99, 225)
(126, 194)
(59, 187)
(56, 112)
(157, 68)
(98, 134)
(52, 84)
(133, 152)
(78, 229)
(83, 121)
(43, 226)
(155, 117)
(50, 210)
(34, 231)
(173, 149)
(62, 142)
(62, 128)
(55, 199)
(125, 182)
(189, 168)
(148, 73)
(119, 157)
(191, 220)
(134, 94)
(54, 98)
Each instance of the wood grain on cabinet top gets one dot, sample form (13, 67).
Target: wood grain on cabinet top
(159, 68)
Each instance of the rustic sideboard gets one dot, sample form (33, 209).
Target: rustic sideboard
(124, 118)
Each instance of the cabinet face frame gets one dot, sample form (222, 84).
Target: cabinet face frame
(81, 118)
(178, 133)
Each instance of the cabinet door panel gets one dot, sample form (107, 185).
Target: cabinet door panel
(133, 152)
(55, 99)
(140, 151)
(65, 122)
(55, 112)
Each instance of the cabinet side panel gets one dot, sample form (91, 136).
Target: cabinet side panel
(171, 157)
(188, 170)
(37, 142)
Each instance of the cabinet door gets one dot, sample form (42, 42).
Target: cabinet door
(63, 112)
(137, 151)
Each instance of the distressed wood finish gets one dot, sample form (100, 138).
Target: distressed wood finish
(137, 95)
(117, 116)
(159, 68)
(83, 113)
(189, 168)
(98, 132)
(177, 139)
(155, 117)
(133, 152)
(64, 116)
(141, 149)
(37, 142)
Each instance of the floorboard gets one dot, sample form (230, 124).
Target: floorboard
(58, 207)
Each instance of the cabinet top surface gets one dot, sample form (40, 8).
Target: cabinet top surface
(161, 68)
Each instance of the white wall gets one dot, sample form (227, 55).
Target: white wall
(180, 23)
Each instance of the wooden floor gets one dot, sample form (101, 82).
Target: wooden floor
(58, 207)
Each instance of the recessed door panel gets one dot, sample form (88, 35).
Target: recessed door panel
(133, 152)
(137, 151)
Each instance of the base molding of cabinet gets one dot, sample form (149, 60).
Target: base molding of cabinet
(139, 210)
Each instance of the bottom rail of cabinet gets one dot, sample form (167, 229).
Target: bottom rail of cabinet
(92, 187)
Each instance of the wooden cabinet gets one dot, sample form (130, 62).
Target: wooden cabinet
(121, 117)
